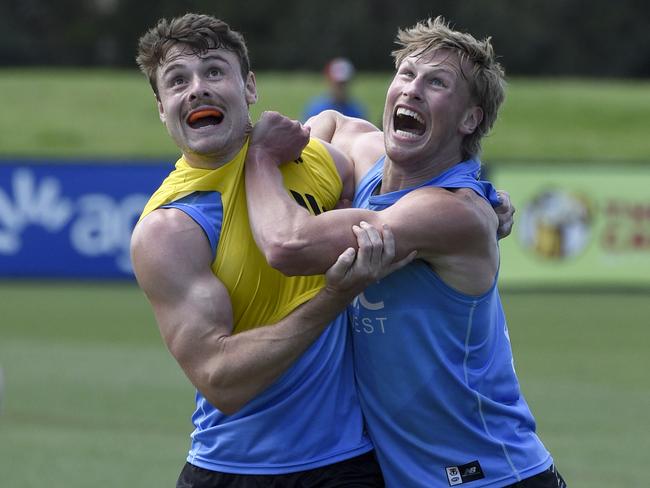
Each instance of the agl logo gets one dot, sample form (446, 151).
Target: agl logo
(97, 224)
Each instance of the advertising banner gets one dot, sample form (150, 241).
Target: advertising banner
(71, 220)
(576, 224)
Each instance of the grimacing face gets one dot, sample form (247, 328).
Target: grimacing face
(203, 102)
(428, 109)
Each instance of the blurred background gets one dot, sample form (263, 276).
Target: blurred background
(90, 395)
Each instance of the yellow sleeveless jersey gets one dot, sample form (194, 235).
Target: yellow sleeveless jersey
(260, 295)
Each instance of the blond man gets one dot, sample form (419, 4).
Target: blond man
(433, 361)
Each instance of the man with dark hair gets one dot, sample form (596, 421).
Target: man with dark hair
(269, 355)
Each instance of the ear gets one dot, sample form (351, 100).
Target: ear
(161, 111)
(471, 120)
(250, 89)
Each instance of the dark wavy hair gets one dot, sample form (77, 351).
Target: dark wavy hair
(196, 32)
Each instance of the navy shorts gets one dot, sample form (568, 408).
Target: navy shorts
(546, 479)
(358, 472)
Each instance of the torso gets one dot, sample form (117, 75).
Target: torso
(436, 380)
(287, 427)
(259, 293)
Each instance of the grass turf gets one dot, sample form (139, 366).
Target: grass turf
(93, 398)
(112, 114)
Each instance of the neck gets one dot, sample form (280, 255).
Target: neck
(399, 175)
(212, 160)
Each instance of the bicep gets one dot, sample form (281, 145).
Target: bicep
(437, 222)
(172, 258)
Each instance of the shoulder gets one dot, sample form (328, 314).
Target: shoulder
(319, 175)
(158, 222)
(167, 222)
(166, 245)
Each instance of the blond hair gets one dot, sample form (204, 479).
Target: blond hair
(486, 81)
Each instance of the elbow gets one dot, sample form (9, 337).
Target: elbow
(286, 257)
(293, 263)
(227, 406)
(214, 380)
(279, 261)
(223, 396)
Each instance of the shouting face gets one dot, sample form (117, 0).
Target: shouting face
(429, 110)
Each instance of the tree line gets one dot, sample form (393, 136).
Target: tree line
(599, 38)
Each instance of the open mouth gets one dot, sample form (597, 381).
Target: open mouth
(204, 118)
(408, 121)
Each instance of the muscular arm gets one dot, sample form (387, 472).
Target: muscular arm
(276, 220)
(453, 230)
(432, 221)
(362, 143)
(172, 258)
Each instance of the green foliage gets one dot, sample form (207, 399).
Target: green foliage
(93, 398)
(112, 114)
(569, 37)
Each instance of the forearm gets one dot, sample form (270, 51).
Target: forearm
(272, 213)
(292, 240)
(249, 362)
(231, 369)
(172, 261)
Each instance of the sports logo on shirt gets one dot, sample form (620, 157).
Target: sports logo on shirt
(457, 475)
(367, 304)
(362, 322)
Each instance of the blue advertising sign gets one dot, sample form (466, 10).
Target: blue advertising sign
(71, 220)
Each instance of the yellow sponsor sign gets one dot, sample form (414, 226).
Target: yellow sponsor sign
(576, 224)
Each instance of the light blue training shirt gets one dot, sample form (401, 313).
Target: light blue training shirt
(308, 418)
(435, 370)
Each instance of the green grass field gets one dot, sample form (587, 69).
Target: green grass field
(92, 397)
(112, 114)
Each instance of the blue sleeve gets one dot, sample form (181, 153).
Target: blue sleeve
(206, 209)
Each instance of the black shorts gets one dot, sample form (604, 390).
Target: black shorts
(546, 479)
(358, 472)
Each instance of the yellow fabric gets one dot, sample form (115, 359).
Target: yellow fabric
(260, 295)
